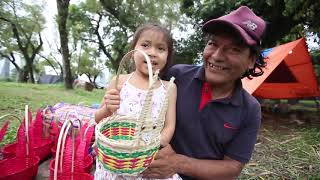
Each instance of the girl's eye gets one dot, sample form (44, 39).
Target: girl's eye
(212, 43)
(144, 45)
(161, 49)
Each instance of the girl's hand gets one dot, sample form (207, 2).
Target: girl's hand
(112, 100)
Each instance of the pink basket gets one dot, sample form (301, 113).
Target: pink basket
(41, 145)
(42, 150)
(25, 164)
(19, 168)
(67, 164)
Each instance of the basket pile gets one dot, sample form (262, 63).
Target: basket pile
(69, 162)
(24, 165)
(127, 145)
(41, 144)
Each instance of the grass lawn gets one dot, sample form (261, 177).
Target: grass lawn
(285, 151)
(14, 96)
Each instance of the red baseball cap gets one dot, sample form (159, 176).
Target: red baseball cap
(249, 26)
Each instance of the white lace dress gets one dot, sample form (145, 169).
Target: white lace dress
(131, 103)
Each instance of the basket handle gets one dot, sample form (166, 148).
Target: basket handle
(27, 122)
(62, 137)
(130, 53)
(64, 141)
(145, 114)
(5, 126)
(86, 131)
(162, 114)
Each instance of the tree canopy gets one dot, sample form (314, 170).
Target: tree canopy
(97, 33)
(21, 25)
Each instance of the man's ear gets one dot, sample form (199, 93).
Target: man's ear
(253, 59)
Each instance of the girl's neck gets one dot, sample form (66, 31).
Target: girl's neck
(140, 80)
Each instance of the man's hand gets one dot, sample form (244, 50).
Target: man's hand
(164, 165)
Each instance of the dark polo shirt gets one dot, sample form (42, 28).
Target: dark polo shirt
(226, 126)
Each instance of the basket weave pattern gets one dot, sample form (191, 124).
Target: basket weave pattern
(127, 145)
(24, 164)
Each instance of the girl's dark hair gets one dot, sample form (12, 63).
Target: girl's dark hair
(166, 33)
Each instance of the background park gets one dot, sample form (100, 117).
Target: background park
(88, 38)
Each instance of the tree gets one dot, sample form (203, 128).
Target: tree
(109, 26)
(286, 20)
(20, 36)
(63, 11)
(89, 64)
(125, 16)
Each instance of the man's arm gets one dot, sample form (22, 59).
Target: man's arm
(169, 163)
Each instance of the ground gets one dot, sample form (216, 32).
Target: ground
(288, 147)
(283, 149)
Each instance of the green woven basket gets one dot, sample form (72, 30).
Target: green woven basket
(127, 145)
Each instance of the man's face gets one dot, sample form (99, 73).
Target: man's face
(225, 60)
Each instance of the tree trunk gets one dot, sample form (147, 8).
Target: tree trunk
(63, 7)
(31, 75)
(29, 56)
(23, 75)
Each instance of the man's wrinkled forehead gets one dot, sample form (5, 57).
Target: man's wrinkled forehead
(234, 37)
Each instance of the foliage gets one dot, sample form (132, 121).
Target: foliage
(287, 19)
(109, 25)
(315, 54)
(14, 96)
(21, 25)
(89, 64)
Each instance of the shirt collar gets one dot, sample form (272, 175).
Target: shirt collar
(200, 74)
(236, 97)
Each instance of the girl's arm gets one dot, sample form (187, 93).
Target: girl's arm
(110, 102)
(170, 122)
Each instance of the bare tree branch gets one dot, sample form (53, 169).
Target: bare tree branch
(12, 59)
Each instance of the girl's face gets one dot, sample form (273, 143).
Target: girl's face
(154, 44)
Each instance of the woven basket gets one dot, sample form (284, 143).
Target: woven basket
(63, 166)
(25, 164)
(87, 132)
(127, 145)
(53, 117)
(41, 145)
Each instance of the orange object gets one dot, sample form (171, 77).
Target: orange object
(289, 73)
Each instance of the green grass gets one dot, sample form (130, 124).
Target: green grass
(14, 96)
(288, 151)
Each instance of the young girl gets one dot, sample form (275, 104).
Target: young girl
(157, 43)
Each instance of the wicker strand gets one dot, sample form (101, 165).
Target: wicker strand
(164, 108)
(130, 53)
(64, 141)
(62, 136)
(145, 114)
(26, 117)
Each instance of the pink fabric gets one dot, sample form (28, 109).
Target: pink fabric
(206, 95)
(244, 21)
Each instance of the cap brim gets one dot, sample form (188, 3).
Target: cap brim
(211, 25)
